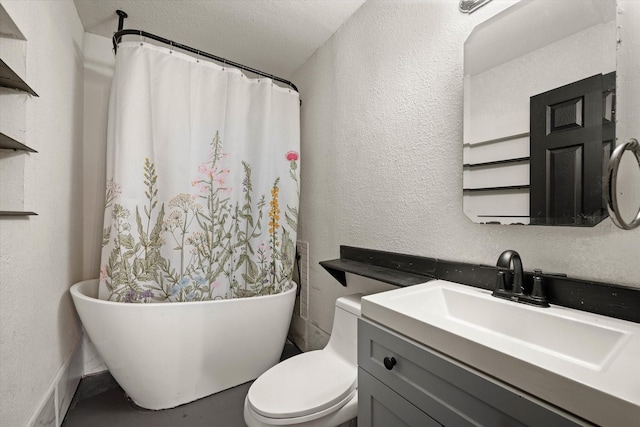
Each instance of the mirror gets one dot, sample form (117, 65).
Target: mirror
(539, 105)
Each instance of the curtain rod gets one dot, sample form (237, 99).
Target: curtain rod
(117, 37)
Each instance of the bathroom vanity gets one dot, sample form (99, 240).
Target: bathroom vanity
(442, 353)
(427, 388)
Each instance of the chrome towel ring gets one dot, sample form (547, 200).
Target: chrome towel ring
(611, 186)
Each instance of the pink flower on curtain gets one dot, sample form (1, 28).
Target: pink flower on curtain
(292, 156)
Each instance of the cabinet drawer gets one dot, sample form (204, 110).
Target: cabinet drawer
(379, 406)
(451, 393)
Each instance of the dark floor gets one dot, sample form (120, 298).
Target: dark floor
(100, 402)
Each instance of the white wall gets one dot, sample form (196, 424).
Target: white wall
(99, 62)
(99, 65)
(382, 155)
(628, 102)
(42, 256)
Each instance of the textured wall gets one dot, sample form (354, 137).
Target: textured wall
(99, 63)
(382, 152)
(628, 101)
(42, 256)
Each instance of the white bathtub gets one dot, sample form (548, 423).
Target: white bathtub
(165, 355)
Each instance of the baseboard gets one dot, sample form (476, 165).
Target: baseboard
(56, 401)
(91, 360)
(298, 332)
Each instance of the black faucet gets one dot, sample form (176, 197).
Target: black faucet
(504, 263)
(511, 285)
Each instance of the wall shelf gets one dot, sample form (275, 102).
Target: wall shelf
(339, 267)
(496, 162)
(8, 78)
(6, 142)
(16, 213)
(503, 216)
(496, 140)
(622, 302)
(507, 187)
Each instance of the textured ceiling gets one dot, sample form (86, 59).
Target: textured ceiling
(274, 36)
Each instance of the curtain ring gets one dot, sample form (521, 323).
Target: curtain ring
(198, 56)
(171, 50)
(224, 64)
(141, 38)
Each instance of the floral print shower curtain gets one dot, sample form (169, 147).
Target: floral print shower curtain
(202, 181)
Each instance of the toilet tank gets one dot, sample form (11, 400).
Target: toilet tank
(344, 334)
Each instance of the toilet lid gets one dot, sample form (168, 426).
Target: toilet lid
(302, 385)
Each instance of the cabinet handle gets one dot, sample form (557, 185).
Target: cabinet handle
(389, 362)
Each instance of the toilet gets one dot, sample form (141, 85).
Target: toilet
(317, 388)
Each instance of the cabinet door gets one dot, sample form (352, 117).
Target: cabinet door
(451, 393)
(379, 406)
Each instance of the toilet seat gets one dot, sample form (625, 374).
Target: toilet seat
(292, 390)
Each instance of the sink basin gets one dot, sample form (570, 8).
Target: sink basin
(586, 343)
(544, 351)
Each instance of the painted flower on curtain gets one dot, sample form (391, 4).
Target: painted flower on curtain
(183, 249)
(292, 212)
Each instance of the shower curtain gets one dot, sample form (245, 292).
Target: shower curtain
(202, 180)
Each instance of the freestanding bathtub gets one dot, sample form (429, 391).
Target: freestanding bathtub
(165, 355)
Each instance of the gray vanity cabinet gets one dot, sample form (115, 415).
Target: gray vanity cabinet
(426, 388)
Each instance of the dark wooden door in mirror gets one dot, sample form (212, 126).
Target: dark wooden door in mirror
(571, 135)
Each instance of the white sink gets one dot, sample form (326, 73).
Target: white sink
(538, 329)
(582, 362)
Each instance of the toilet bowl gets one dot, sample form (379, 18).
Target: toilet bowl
(317, 388)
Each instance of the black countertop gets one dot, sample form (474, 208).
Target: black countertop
(607, 299)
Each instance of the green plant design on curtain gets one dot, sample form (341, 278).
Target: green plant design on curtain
(217, 240)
